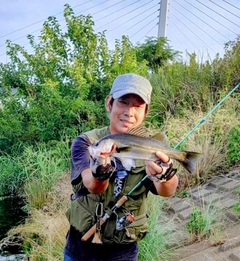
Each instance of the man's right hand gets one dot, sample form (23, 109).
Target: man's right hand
(102, 167)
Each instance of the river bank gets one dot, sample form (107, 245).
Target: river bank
(11, 215)
(220, 191)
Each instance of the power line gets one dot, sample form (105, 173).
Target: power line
(212, 19)
(131, 17)
(142, 20)
(204, 22)
(195, 34)
(231, 4)
(147, 33)
(117, 10)
(42, 20)
(184, 35)
(129, 12)
(224, 9)
(45, 20)
(144, 27)
(217, 13)
(22, 37)
(87, 9)
(198, 26)
(104, 9)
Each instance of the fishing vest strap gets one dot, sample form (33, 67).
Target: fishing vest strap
(80, 193)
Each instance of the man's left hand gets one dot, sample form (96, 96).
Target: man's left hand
(160, 170)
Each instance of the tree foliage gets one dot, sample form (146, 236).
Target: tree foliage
(63, 80)
(157, 52)
(62, 83)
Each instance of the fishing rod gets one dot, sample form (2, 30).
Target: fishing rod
(204, 118)
(124, 198)
(192, 130)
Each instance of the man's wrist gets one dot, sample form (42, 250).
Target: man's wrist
(102, 169)
(168, 175)
(102, 176)
(167, 171)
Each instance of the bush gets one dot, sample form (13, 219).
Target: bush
(233, 149)
(205, 223)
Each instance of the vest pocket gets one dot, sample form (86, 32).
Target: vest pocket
(139, 228)
(136, 231)
(81, 213)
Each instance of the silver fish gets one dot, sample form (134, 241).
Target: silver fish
(128, 148)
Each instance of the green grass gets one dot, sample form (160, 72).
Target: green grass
(158, 244)
(206, 222)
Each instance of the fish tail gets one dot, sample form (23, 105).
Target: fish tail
(191, 160)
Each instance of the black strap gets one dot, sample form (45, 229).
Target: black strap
(81, 193)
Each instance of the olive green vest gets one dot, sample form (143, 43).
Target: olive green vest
(82, 212)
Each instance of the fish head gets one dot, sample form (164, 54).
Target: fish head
(102, 148)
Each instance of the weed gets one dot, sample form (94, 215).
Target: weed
(233, 149)
(184, 193)
(205, 223)
(197, 223)
(237, 205)
(158, 244)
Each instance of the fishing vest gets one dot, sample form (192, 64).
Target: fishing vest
(84, 209)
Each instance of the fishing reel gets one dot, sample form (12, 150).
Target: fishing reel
(124, 221)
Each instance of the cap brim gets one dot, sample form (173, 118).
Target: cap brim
(121, 93)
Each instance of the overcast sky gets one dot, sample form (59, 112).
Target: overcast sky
(201, 26)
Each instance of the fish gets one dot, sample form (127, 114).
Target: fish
(129, 147)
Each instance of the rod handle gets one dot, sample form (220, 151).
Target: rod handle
(91, 231)
(121, 201)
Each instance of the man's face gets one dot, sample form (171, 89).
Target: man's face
(126, 112)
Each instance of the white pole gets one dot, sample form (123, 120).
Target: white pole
(162, 24)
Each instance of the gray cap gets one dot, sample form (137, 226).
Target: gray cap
(131, 83)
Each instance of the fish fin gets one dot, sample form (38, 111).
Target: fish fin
(190, 163)
(140, 131)
(161, 137)
(128, 163)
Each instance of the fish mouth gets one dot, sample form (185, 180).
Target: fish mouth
(105, 154)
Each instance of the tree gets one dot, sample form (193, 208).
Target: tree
(156, 52)
(63, 81)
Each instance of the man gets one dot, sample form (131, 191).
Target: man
(99, 183)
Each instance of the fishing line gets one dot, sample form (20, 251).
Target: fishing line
(191, 131)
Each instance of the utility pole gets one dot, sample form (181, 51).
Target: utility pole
(162, 24)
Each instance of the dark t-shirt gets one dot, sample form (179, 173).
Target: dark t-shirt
(80, 157)
(81, 161)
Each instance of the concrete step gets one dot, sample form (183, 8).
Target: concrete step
(235, 256)
(220, 192)
(229, 251)
(204, 256)
(230, 244)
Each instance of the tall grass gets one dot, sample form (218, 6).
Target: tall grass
(44, 232)
(158, 244)
(10, 175)
(211, 138)
(43, 236)
(182, 97)
(34, 172)
(206, 222)
(43, 167)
